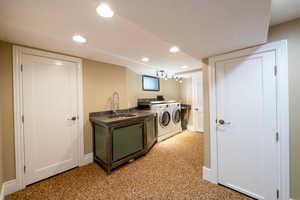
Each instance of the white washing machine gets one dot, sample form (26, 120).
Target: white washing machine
(168, 119)
(164, 119)
(176, 117)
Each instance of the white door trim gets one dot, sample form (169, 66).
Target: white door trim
(18, 109)
(280, 47)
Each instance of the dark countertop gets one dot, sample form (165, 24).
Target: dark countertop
(104, 118)
(186, 106)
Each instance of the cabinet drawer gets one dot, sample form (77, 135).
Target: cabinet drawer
(127, 140)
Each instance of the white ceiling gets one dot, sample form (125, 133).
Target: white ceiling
(284, 10)
(140, 28)
(51, 25)
(201, 28)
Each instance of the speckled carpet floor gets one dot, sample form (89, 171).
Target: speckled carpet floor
(171, 170)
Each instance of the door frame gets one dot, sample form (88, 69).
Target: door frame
(18, 108)
(194, 76)
(280, 48)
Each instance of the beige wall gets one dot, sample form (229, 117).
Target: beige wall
(186, 91)
(206, 122)
(186, 96)
(291, 32)
(100, 80)
(169, 88)
(6, 107)
(1, 156)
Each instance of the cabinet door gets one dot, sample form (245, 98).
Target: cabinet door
(151, 132)
(127, 140)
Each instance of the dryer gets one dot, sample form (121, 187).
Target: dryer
(176, 117)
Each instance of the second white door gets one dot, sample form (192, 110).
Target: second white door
(246, 121)
(50, 116)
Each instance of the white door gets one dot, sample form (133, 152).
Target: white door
(49, 103)
(246, 125)
(197, 101)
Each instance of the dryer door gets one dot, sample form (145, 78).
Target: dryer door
(176, 116)
(164, 119)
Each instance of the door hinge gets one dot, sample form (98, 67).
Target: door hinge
(277, 194)
(21, 67)
(275, 70)
(23, 119)
(24, 169)
(277, 136)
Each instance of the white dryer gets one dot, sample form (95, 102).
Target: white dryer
(176, 117)
(168, 119)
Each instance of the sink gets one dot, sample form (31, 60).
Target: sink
(122, 115)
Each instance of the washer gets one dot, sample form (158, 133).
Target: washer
(176, 117)
(164, 119)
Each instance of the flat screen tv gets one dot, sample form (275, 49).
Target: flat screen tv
(150, 83)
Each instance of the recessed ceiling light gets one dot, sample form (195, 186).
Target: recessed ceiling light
(58, 63)
(145, 59)
(104, 10)
(174, 49)
(79, 39)
(184, 67)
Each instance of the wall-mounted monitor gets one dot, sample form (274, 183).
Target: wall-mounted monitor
(150, 83)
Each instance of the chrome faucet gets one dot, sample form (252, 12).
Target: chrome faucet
(115, 102)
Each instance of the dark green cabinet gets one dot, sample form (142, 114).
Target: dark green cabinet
(127, 140)
(117, 143)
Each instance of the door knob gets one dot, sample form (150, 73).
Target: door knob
(73, 118)
(222, 122)
(196, 109)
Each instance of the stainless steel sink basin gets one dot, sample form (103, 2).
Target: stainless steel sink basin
(122, 115)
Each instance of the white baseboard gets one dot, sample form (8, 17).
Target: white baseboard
(88, 158)
(207, 175)
(201, 130)
(1, 192)
(10, 187)
(190, 128)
